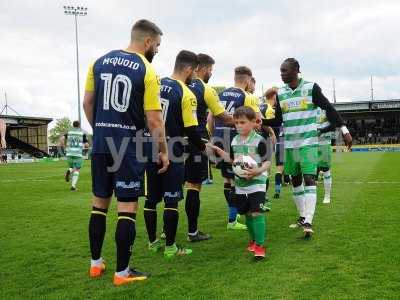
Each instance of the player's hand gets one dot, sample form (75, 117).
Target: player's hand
(252, 172)
(217, 150)
(348, 140)
(209, 151)
(3, 143)
(164, 161)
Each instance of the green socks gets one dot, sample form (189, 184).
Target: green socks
(259, 229)
(256, 227)
(249, 223)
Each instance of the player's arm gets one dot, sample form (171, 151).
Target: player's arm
(190, 123)
(332, 115)
(265, 152)
(277, 120)
(152, 109)
(216, 108)
(227, 157)
(3, 134)
(89, 98)
(270, 132)
(210, 123)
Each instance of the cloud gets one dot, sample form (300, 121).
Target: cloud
(345, 40)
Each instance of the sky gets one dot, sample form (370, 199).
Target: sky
(348, 41)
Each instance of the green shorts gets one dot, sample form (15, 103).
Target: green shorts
(74, 162)
(301, 161)
(324, 156)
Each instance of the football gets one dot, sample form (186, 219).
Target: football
(242, 163)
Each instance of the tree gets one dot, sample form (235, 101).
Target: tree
(219, 89)
(61, 128)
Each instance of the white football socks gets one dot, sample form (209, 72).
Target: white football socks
(327, 184)
(299, 199)
(75, 176)
(310, 195)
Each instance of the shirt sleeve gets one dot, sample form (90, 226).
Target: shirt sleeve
(265, 150)
(89, 86)
(212, 100)
(189, 107)
(277, 121)
(321, 101)
(151, 99)
(269, 112)
(252, 101)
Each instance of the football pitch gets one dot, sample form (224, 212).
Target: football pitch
(354, 254)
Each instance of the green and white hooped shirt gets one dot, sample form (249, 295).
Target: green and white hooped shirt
(299, 115)
(75, 142)
(249, 147)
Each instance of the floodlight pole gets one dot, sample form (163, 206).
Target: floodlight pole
(372, 90)
(76, 11)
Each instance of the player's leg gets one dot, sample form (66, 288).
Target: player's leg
(327, 184)
(196, 168)
(154, 196)
(102, 190)
(69, 170)
(128, 186)
(77, 165)
(292, 167)
(256, 203)
(279, 151)
(278, 181)
(324, 164)
(232, 201)
(309, 162)
(172, 192)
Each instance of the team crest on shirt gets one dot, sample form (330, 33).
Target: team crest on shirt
(304, 92)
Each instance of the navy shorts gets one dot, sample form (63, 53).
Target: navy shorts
(196, 165)
(127, 182)
(168, 185)
(249, 203)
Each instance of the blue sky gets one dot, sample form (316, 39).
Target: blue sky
(345, 40)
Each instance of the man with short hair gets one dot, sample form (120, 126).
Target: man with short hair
(297, 103)
(122, 93)
(179, 111)
(196, 164)
(75, 141)
(233, 98)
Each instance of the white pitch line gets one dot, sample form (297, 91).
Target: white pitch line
(39, 178)
(366, 182)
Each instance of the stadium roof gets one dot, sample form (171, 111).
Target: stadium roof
(22, 121)
(376, 105)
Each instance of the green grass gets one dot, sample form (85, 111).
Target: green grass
(44, 250)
